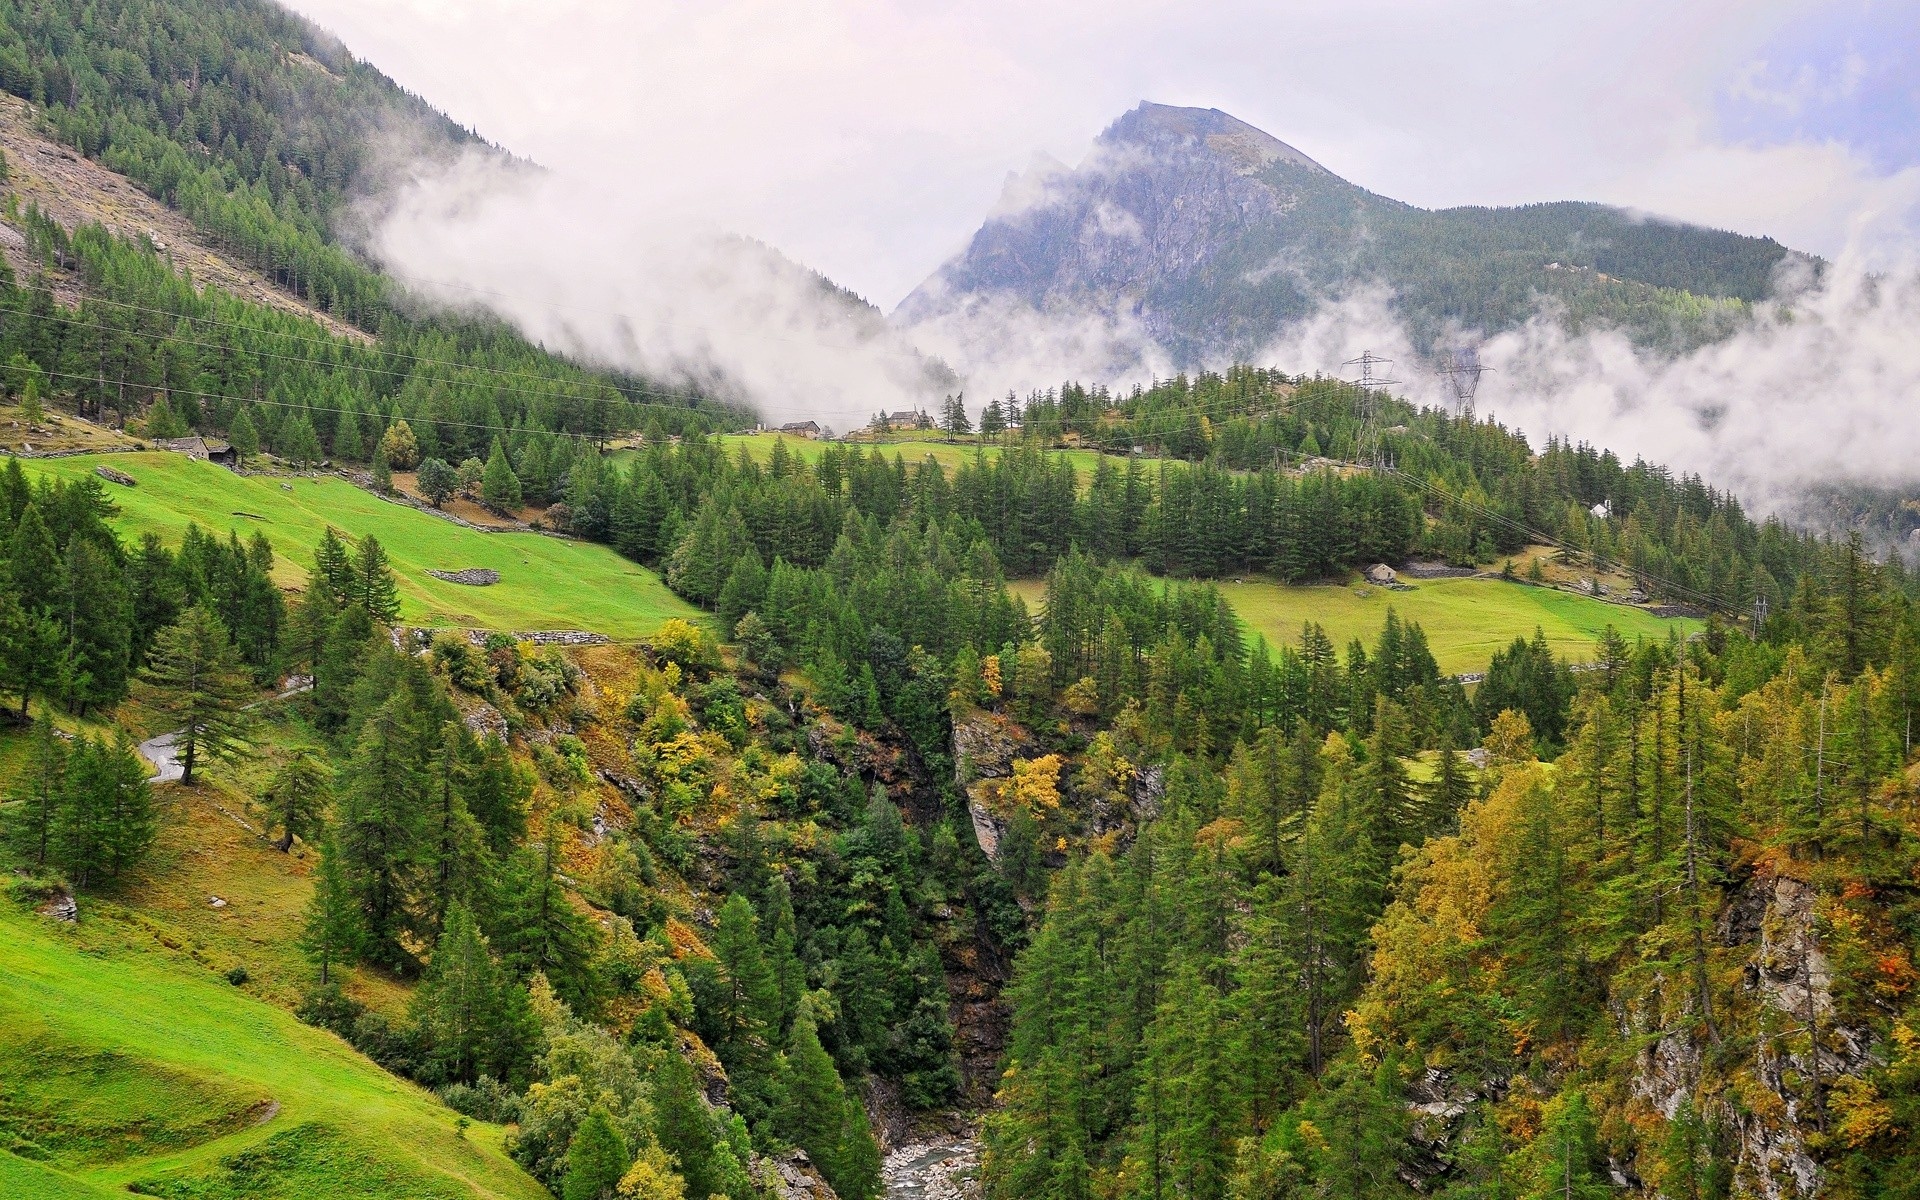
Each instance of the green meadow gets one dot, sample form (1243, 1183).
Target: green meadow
(1466, 620)
(949, 455)
(131, 1070)
(545, 582)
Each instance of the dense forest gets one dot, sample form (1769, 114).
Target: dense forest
(1677, 956)
(1272, 920)
(243, 116)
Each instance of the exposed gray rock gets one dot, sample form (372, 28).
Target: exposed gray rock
(471, 576)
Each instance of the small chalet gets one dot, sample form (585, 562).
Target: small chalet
(901, 421)
(803, 429)
(205, 449)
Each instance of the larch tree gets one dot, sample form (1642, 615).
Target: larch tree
(373, 583)
(333, 933)
(196, 681)
(296, 798)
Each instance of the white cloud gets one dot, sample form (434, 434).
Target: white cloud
(868, 137)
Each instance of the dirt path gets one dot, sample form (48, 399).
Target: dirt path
(164, 751)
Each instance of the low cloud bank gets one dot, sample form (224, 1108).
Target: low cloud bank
(584, 269)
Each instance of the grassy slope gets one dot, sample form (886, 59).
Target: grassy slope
(1465, 620)
(948, 454)
(545, 582)
(177, 1037)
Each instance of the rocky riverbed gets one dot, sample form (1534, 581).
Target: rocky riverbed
(942, 1169)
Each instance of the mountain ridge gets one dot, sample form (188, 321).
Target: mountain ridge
(1215, 235)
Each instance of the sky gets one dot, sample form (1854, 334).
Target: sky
(867, 139)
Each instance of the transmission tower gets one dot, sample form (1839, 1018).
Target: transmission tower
(1368, 451)
(1463, 369)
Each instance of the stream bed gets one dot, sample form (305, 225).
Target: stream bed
(942, 1169)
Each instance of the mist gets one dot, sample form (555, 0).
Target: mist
(585, 269)
(1814, 390)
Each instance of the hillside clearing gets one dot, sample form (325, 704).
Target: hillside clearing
(1466, 620)
(545, 582)
(950, 455)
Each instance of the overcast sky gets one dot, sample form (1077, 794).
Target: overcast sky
(869, 138)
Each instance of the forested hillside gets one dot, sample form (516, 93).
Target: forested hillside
(1215, 235)
(261, 131)
(871, 850)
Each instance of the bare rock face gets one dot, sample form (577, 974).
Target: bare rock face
(793, 1176)
(984, 747)
(1787, 993)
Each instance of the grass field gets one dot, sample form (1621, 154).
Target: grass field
(1466, 620)
(948, 454)
(125, 1067)
(545, 582)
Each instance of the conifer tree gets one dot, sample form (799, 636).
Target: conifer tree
(499, 486)
(455, 844)
(296, 798)
(682, 1123)
(36, 793)
(194, 680)
(381, 808)
(104, 822)
(381, 469)
(373, 583)
(817, 1115)
(333, 934)
(459, 1008)
(747, 1004)
(332, 568)
(596, 1159)
(243, 437)
(539, 930)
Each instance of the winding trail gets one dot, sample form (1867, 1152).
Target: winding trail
(164, 751)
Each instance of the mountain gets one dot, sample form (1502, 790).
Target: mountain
(1215, 234)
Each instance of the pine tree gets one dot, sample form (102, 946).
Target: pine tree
(296, 798)
(748, 1004)
(381, 469)
(332, 568)
(373, 583)
(596, 1159)
(459, 1008)
(682, 1123)
(105, 822)
(195, 681)
(817, 1115)
(539, 929)
(381, 808)
(455, 847)
(299, 444)
(243, 437)
(333, 934)
(499, 486)
(36, 794)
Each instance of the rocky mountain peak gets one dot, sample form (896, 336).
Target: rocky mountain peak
(1165, 127)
